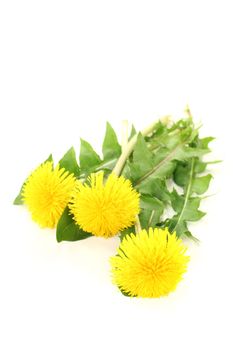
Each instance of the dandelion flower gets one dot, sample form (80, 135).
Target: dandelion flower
(149, 264)
(46, 193)
(104, 208)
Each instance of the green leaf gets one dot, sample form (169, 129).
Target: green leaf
(157, 138)
(132, 133)
(181, 173)
(188, 207)
(177, 201)
(151, 203)
(69, 162)
(155, 187)
(67, 230)
(204, 142)
(142, 159)
(19, 199)
(185, 206)
(164, 159)
(201, 184)
(126, 172)
(163, 169)
(170, 141)
(142, 156)
(181, 228)
(88, 157)
(150, 218)
(49, 159)
(111, 148)
(151, 211)
(190, 236)
(199, 166)
(186, 152)
(178, 226)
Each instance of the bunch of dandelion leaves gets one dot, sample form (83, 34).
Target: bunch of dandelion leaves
(170, 156)
(159, 156)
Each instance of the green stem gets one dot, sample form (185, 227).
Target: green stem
(124, 147)
(151, 218)
(137, 225)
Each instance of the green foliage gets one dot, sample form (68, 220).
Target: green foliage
(88, 158)
(111, 148)
(201, 184)
(157, 188)
(90, 161)
(67, 230)
(170, 156)
(69, 162)
(132, 133)
(49, 159)
(158, 158)
(151, 210)
(19, 199)
(186, 205)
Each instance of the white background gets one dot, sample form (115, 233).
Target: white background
(65, 68)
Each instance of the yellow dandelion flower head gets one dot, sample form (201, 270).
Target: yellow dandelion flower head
(46, 193)
(104, 208)
(149, 264)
